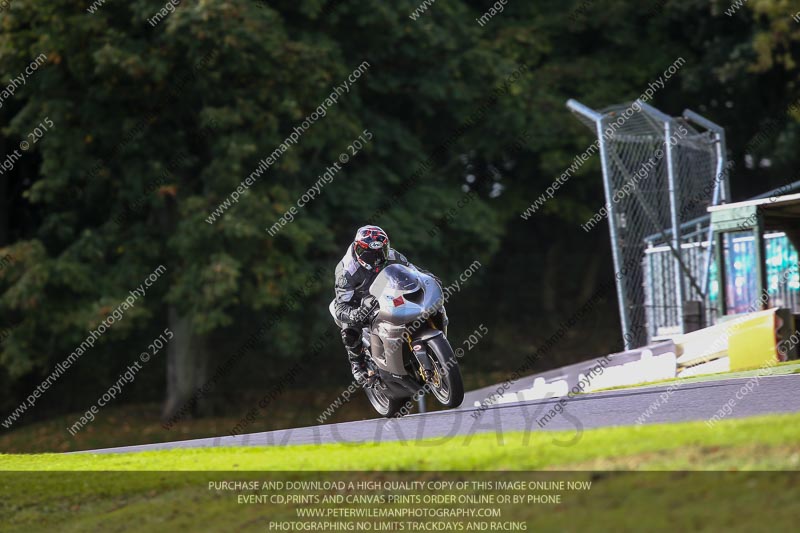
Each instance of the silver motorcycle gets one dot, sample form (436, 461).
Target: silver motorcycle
(406, 342)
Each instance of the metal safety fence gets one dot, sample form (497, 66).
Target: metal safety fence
(660, 173)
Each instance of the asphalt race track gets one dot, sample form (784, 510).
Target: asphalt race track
(694, 401)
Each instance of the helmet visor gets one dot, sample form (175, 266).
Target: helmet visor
(374, 257)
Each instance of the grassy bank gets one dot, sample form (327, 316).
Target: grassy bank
(730, 443)
(171, 490)
(141, 424)
(128, 425)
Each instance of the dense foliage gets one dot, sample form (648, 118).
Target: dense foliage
(155, 126)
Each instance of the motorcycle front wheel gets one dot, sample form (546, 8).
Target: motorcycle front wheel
(446, 384)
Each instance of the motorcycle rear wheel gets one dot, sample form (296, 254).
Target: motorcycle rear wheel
(385, 406)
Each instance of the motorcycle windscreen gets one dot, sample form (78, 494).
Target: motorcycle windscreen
(395, 280)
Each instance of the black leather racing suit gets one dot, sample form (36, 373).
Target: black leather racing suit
(351, 286)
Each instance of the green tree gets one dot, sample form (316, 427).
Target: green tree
(179, 115)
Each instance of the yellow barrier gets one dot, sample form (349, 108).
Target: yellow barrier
(744, 341)
(753, 340)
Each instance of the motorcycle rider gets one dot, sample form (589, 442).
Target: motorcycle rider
(354, 307)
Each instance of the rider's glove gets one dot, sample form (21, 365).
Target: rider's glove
(365, 312)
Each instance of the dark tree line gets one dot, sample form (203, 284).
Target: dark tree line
(153, 127)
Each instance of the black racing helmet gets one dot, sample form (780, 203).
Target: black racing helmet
(371, 247)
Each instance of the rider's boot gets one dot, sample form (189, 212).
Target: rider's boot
(358, 365)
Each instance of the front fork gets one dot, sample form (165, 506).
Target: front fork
(426, 369)
(429, 371)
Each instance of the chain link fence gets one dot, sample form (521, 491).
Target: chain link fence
(660, 174)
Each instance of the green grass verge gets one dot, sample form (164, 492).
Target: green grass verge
(140, 424)
(684, 445)
(126, 502)
(126, 425)
(169, 490)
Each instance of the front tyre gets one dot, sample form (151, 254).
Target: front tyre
(446, 384)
